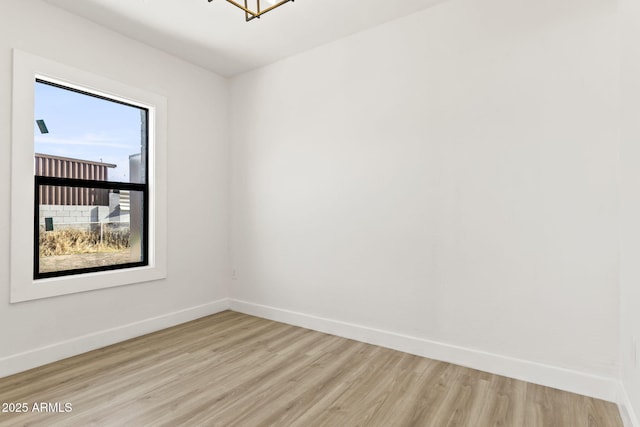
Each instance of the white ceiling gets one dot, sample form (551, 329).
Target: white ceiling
(215, 35)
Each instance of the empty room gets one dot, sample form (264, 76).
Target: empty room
(320, 213)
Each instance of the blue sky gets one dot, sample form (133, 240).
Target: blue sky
(86, 127)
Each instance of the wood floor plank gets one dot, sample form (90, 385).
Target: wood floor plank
(231, 369)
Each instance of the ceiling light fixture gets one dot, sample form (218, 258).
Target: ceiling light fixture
(253, 9)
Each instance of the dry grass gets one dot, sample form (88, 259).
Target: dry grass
(70, 241)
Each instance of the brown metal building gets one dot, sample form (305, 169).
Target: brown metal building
(66, 167)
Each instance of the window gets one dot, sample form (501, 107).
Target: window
(89, 161)
(90, 215)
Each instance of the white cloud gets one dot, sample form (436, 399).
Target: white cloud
(88, 139)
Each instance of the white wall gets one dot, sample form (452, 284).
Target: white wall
(630, 218)
(197, 192)
(449, 176)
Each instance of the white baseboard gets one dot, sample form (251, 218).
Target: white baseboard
(629, 417)
(51, 353)
(564, 379)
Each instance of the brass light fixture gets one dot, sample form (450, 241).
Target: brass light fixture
(254, 9)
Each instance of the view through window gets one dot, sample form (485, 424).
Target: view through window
(91, 182)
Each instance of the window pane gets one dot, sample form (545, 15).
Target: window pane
(77, 236)
(89, 130)
(81, 138)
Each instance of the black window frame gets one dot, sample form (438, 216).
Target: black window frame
(143, 188)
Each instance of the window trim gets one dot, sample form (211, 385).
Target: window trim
(26, 69)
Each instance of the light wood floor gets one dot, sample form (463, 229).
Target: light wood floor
(232, 369)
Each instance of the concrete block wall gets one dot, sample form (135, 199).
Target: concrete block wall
(80, 216)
